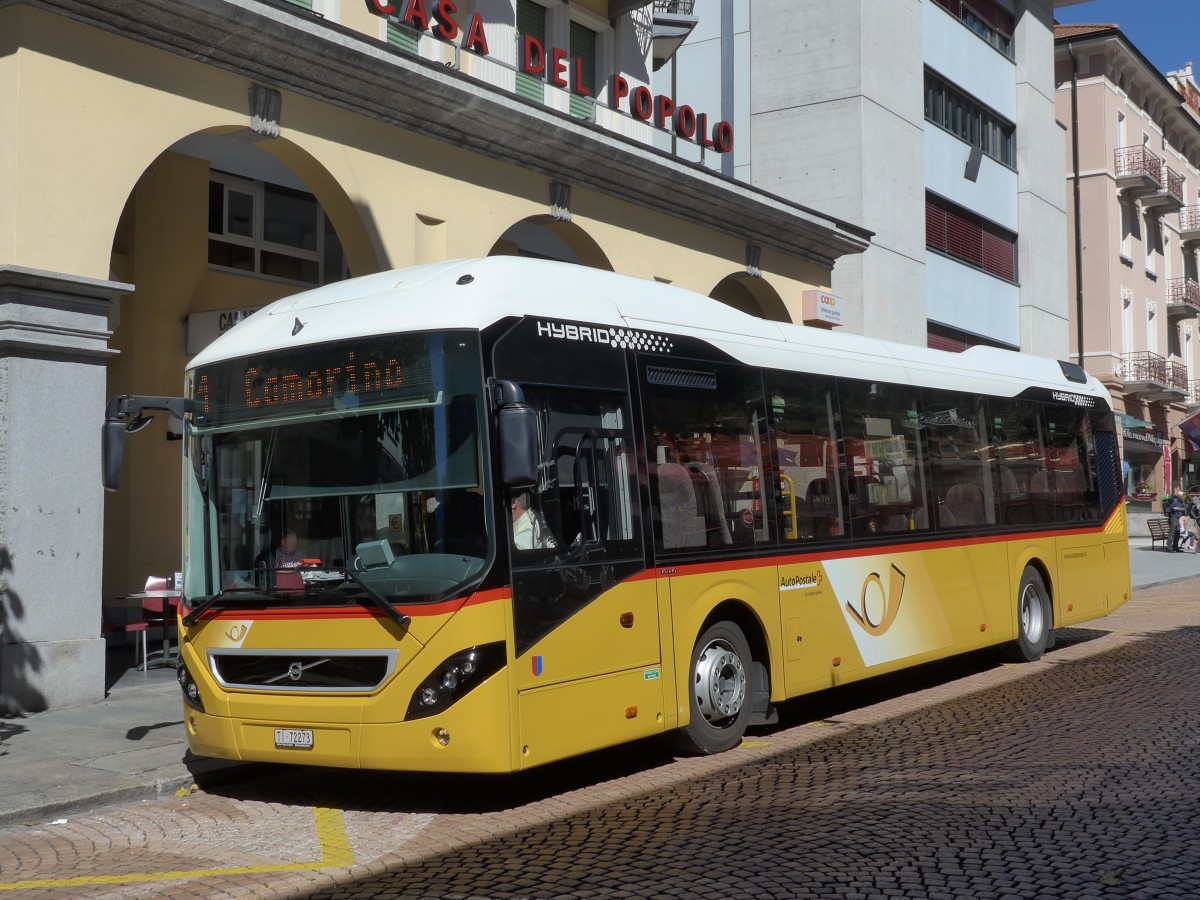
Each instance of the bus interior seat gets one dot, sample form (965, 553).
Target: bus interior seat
(1010, 487)
(681, 526)
(964, 501)
(1039, 483)
(715, 507)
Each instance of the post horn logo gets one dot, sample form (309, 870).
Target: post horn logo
(877, 613)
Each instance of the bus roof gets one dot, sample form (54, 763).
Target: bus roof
(472, 294)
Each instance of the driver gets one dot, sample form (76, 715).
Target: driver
(529, 532)
(287, 556)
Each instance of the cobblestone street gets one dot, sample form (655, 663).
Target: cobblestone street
(1072, 777)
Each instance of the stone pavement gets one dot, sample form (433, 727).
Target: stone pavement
(131, 745)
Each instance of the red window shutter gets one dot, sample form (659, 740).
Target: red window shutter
(964, 238)
(945, 342)
(1000, 255)
(935, 225)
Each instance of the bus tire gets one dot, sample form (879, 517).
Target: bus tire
(1034, 619)
(719, 691)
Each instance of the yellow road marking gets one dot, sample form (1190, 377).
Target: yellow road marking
(336, 853)
(755, 744)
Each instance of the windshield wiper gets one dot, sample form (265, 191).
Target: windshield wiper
(378, 599)
(248, 593)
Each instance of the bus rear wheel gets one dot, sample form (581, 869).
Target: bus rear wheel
(719, 692)
(1034, 619)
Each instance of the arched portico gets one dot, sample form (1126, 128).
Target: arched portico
(550, 238)
(754, 296)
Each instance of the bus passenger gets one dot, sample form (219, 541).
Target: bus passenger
(288, 556)
(529, 532)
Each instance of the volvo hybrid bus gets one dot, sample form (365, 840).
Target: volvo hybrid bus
(481, 515)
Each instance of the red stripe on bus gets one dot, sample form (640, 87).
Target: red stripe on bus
(800, 558)
(447, 607)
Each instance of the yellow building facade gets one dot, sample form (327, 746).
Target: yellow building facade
(168, 166)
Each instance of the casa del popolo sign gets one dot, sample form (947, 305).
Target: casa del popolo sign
(556, 66)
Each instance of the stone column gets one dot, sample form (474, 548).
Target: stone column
(53, 348)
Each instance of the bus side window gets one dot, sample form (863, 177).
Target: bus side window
(884, 454)
(809, 488)
(706, 456)
(962, 477)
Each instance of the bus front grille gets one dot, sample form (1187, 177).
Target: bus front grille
(302, 670)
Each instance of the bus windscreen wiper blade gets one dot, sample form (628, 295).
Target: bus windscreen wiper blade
(243, 595)
(378, 599)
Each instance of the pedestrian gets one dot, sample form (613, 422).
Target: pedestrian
(1190, 530)
(1175, 507)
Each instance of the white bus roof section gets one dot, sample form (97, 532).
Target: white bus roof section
(472, 294)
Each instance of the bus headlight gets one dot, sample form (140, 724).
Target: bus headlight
(191, 693)
(454, 678)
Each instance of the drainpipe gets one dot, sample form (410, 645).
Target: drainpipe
(1078, 211)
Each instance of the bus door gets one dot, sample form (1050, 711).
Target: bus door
(585, 619)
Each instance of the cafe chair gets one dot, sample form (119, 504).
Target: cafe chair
(159, 612)
(138, 628)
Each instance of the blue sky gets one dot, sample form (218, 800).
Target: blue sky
(1166, 31)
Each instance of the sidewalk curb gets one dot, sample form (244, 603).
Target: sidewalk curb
(205, 773)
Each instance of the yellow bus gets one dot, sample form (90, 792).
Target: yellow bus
(481, 515)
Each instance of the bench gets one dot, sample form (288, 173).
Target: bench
(1160, 530)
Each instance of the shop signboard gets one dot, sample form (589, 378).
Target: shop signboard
(440, 19)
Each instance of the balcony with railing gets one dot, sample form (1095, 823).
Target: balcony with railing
(1189, 225)
(1177, 378)
(1194, 391)
(1151, 378)
(1183, 298)
(1169, 196)
(1137, 171)
(673, 22)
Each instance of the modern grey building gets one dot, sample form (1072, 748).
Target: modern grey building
(929, 122)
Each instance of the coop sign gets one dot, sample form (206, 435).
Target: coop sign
(441, 19)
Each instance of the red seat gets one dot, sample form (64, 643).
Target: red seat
(137, 628)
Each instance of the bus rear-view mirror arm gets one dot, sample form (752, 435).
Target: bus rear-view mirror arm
(516, 434)
(124, 415)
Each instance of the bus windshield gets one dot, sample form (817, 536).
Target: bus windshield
(326, 501)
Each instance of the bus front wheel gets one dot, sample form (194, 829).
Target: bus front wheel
(1034, 619)
(719, 691)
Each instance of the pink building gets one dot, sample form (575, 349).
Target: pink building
(1133, 174)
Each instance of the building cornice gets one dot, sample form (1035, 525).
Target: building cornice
(1159, 98)
(282, 47)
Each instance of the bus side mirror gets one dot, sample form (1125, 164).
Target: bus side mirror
(517, 431)
(112, 450)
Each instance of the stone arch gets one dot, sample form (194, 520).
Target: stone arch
(754, 296)
(160, 246)
(549, 238)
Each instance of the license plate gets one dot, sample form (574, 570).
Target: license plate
(294, 738)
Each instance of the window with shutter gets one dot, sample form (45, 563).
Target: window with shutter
(999, 256)
(583, 48)
(531, 21)
(403, 36)
(935, 226)
(968, 238)
(964, 238)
